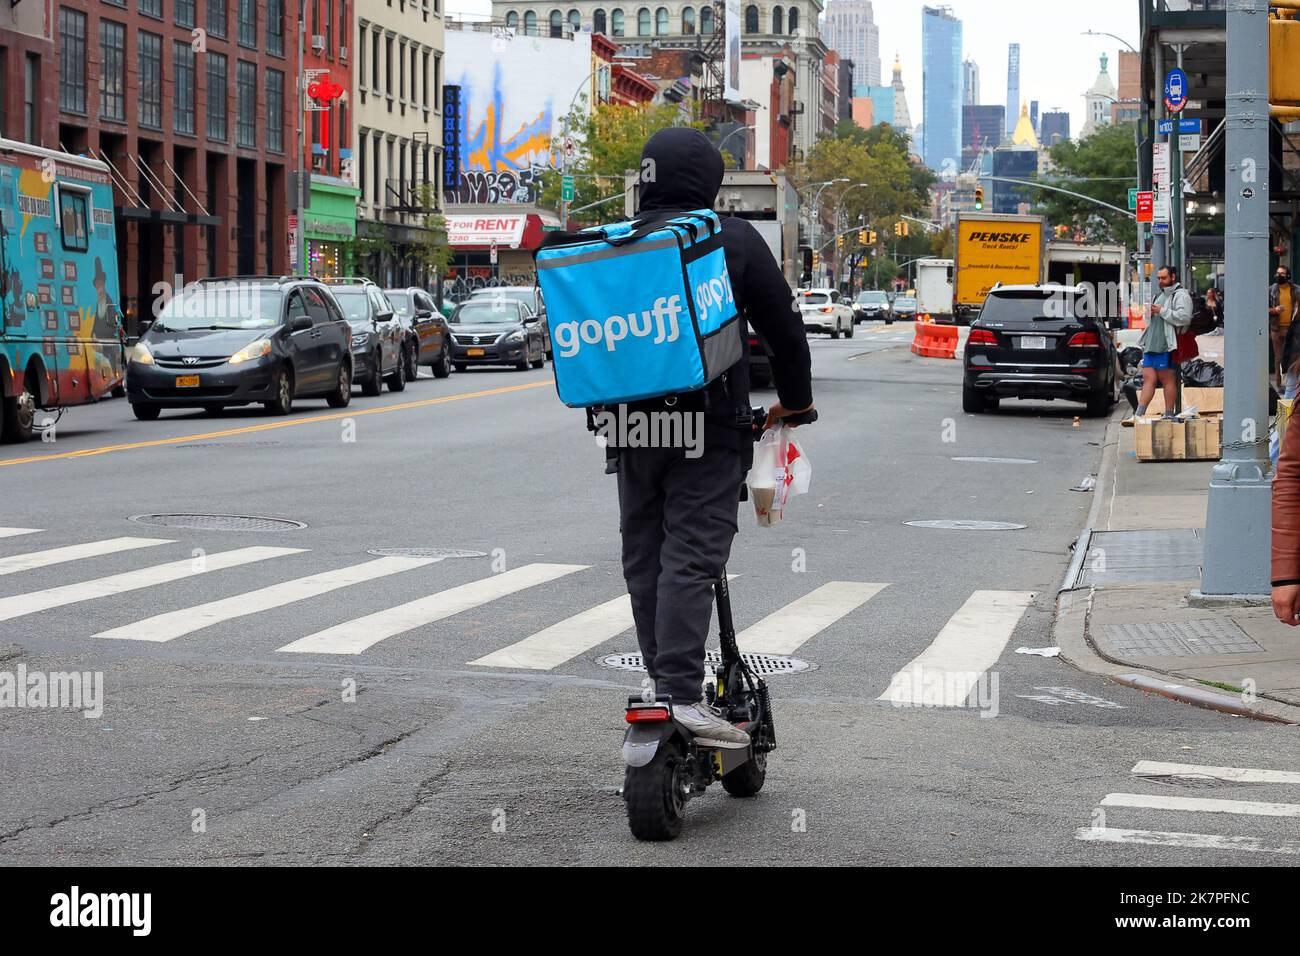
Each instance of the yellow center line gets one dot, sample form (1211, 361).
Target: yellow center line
(267, 426)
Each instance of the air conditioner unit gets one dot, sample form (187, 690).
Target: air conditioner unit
(343, 53)
(317, 43)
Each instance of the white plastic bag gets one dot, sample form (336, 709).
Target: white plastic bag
(781, 471)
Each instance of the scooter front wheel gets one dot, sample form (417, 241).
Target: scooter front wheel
(656, 795)
(747, 779)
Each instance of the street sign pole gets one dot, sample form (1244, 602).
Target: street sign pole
(1237, 525)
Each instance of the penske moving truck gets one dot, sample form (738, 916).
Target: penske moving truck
(990, 248)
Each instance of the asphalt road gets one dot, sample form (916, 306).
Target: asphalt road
(266, 727)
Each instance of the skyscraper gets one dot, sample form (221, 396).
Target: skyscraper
(941, 88)
(1055, 127)
(902, 115)
(849, 28)
(1013, 87)
(970, 84)
(1099, 98)
(1033, 114)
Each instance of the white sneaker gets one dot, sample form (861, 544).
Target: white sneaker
(708, 726)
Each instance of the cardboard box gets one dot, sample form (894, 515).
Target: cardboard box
(1197, 439)
(1208, 402)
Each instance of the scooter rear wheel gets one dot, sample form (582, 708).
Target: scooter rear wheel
(655, 795)
(747, 779)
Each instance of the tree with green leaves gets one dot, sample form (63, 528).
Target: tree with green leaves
(1103, 166)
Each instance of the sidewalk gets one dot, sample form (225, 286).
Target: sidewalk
(1124, 608)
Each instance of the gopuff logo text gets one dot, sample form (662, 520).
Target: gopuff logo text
(712, 292)
(661, 320)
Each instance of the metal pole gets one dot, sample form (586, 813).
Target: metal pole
(1177, 211)
(1159, 241)
(300, 240)
(1237, 526)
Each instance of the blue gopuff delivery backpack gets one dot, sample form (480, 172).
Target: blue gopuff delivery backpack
(639, 309)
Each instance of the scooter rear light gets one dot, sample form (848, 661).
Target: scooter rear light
(646, 715)
(981, 337)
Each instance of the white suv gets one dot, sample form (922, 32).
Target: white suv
(824, 310)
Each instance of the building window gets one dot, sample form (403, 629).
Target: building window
(149, 54)
(329, 28)
(437, 82)
(688, 19)
(217, 15)
(274, 27)
(361, 163)
(751, 19)
(401, 71)
(661, 22)
(217, 96)
(72, 60)
(151, 8)
(706, 19)
(616, 23)
(643, 22)
(248, 23)
(388, 66)
(557, 23)
(424, 79)
(31, 103)
(598, 21)
(374, 63)
(794, 20)
(246, 104)
(575, 21)
(530, 23)
(512, 20)
(183, 13)
(112, 77)
(275, 111)
(183, 87)
(361, 56)
(778, 26)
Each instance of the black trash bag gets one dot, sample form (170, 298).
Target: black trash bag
(1130, 358)
(1198, 373)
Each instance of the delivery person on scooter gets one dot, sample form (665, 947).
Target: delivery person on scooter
(677, 510)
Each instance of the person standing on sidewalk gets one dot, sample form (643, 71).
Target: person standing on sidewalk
(1286, 531)
(1170, 314)
(1283, 310)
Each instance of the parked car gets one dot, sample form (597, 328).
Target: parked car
(760, 361)
(376, 335)
(236, 341)
(496, 331)
(872, 304)
(903, 309)
(1040, 341)
(824, 310)
(426, 337)
(530, 296)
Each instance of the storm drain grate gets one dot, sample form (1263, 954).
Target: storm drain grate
(1189, 781)
(440, 553)
(1180, 638)
(965, 524)
(764, 665)
(201, 522)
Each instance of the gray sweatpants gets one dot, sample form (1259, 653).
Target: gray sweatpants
(678, 517)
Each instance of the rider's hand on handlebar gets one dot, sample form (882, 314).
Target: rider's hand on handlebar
(778, 411)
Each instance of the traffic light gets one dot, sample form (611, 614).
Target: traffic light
(871, 237)
(907, 228)
(862, 237)
(839, 242)
(979, 197)
(898, 228)
(817, 259)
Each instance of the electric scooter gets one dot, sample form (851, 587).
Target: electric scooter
(666, 765)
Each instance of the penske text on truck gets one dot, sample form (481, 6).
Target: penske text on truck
(991, 248)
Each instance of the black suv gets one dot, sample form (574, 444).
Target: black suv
(239, 340)
(1042, 341)
(377, 336)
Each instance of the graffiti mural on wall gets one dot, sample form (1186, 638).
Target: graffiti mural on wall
(513, 98)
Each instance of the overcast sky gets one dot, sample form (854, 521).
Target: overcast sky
(1057, 64)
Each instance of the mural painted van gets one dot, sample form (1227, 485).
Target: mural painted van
(61, 341)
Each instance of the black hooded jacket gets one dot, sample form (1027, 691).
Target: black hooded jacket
(681, 170)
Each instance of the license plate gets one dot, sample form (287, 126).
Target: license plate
(187, 381)
(475, 352)
(1033, 341)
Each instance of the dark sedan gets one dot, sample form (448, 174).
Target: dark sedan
(235, 342)
(428, 340)
(496, 331)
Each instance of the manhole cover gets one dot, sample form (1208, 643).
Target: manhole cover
(965, 524)
(1000, 461)
(219, 522)
(425, 553)
(764, 665)
(1180, 638)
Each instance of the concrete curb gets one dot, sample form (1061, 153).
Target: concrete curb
(1074, 605)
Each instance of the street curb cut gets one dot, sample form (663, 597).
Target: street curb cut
(1074, 605)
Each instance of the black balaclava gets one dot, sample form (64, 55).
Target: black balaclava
(680, 169)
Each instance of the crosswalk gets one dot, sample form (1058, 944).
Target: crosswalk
(969, 644)
(1157, 806)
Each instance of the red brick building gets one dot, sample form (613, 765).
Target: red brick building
(190, 103)
(329, 34)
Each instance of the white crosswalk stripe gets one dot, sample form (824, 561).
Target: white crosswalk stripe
(169, 626)
(552, 646)
(1152, 768)
(15, 532)
(74, 552)
(946, 672)
(1194, 841)
(22, 604)
(786, 630)
(1150, 801)
(353, 637)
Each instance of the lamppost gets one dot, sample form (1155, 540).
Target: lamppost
(739, 129)
(564, 146)
(816, 207)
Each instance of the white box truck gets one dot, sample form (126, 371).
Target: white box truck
(934, 289)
